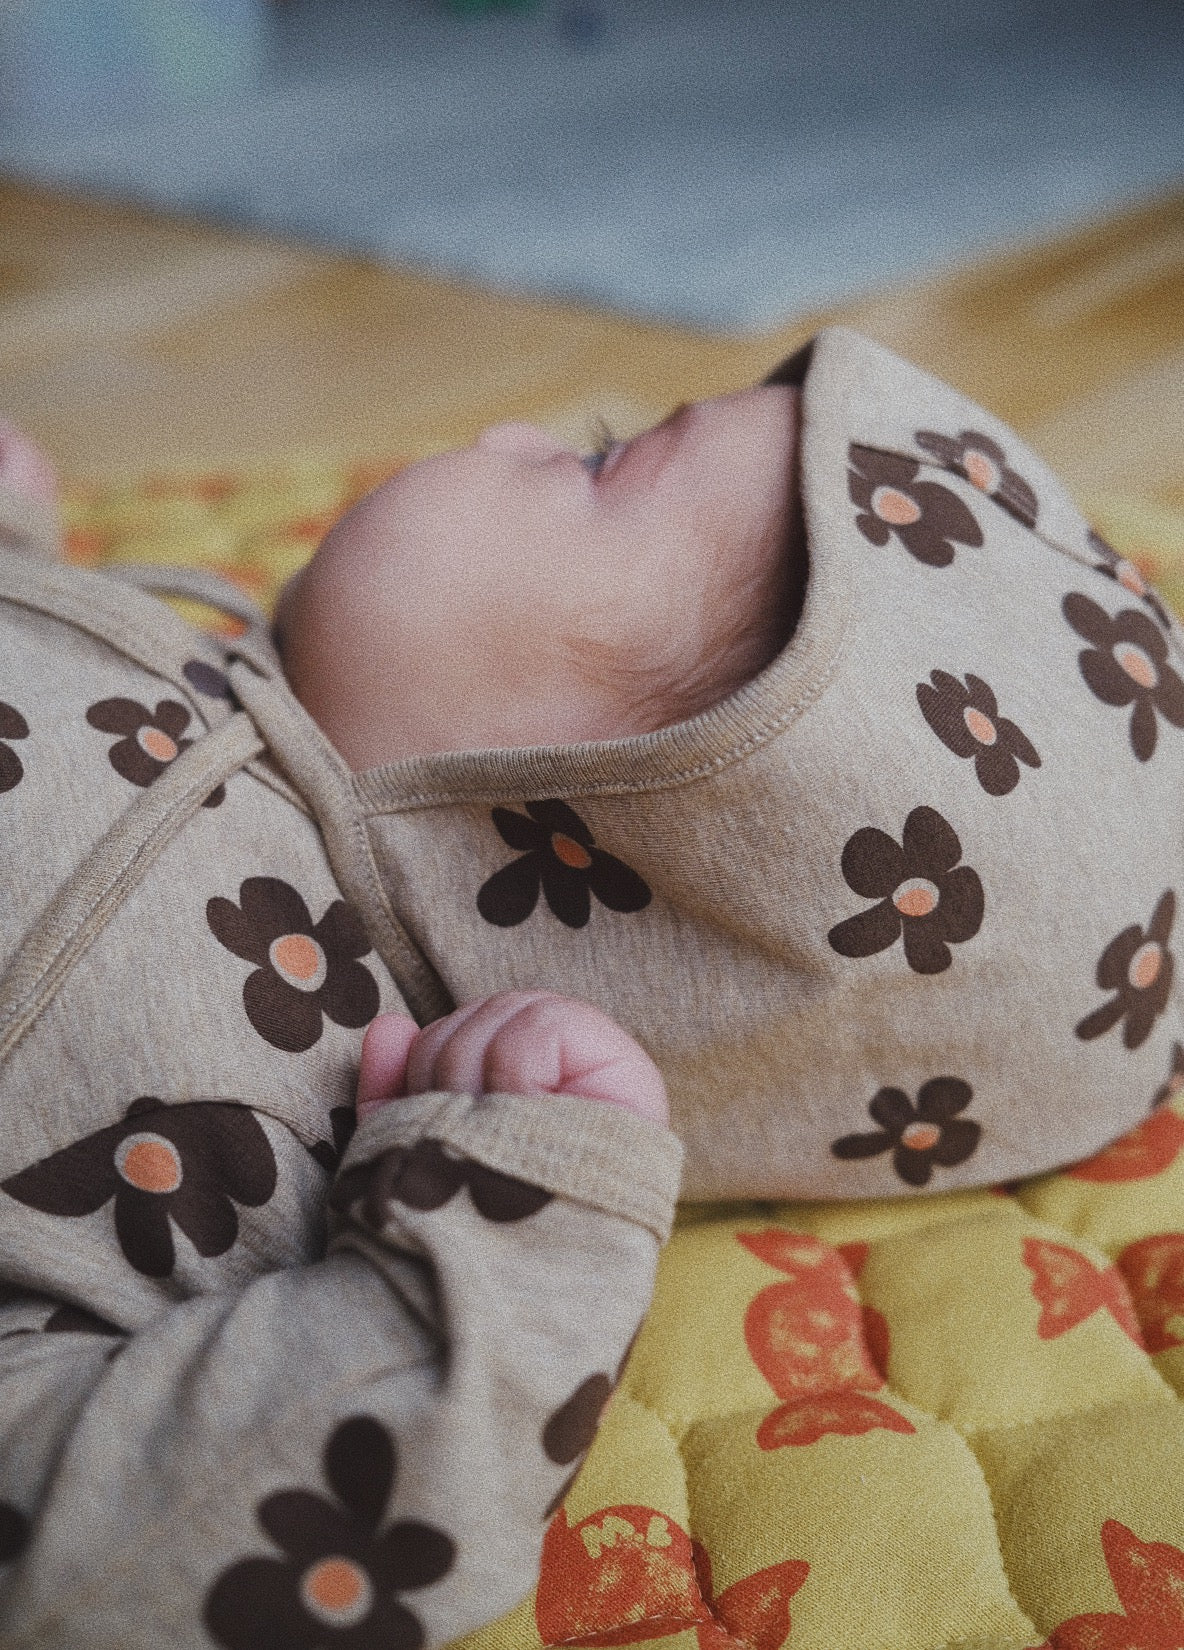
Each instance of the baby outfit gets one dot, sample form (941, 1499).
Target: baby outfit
(898, 915)
(224, 1421)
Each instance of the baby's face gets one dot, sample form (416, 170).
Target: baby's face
(513, 593)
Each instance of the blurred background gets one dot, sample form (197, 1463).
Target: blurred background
(724, 165)
(283, 245)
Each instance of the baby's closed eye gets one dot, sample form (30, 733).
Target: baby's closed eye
(603, 445)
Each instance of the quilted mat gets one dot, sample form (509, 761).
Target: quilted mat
(931, 1423)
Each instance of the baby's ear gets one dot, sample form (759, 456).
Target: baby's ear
(383, 1067)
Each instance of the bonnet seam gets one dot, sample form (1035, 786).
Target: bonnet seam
(624, 787)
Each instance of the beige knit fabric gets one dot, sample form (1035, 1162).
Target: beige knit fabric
(898, 915)
(222, 1414)
(936, 842)
(28, 525)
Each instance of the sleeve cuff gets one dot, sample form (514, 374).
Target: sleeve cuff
(582, 1150)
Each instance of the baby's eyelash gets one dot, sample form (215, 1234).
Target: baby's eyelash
(603, 443)
(604, 440)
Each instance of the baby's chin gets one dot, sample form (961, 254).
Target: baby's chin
(364, 745)
(378, 704)
(372, 722)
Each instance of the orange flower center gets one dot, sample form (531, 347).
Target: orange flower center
(981, 727)
(981, 471)
(157, 743)
(1137, 665)
(1130, 578)
(298, 959)
(336, 1591)
(915, 898)
(1145, 965)
(570, 851)
(919, 1137)
(149, 1163)
(895, 507)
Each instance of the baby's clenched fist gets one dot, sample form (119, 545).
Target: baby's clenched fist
(517, 1042)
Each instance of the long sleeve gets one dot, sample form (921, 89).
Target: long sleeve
(370, 1441)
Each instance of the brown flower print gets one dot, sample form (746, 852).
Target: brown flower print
(1169, 1090)
(570, 1430)
(984, 464)
(1125, 573)
(343, 1120)
(65, 1320)
(14, 1532)
(920, 1136)
(207, 679)
(426, 1177)
(967, 720)
(76, 1320)
(926, 517)
(560, 857)
(1137, 966)
(1127, 665)
(342, 1570)
(189, 1163)
(304, 971)
(12, 726)
(922, 891)
(151, 739)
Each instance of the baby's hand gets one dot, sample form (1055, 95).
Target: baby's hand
(25, 467)
(517, 1042)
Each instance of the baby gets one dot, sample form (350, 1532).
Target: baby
(515, 594)
(826, 709)
(265, 1476)
(795, 735)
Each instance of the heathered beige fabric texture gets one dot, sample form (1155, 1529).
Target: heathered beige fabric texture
(899, 915)
(823, 795)
(28, 525)
(224, 1413)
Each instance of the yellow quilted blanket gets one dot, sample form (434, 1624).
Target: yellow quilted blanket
(917, 1424)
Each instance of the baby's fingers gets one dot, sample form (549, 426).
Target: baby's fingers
(558, 1046)
(24, 467)
(515, 1042)
(450, 1053)
(383, 1065)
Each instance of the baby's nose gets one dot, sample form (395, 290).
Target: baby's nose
(520, 438)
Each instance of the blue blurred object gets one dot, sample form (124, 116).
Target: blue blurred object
(582, 26)
(478, 8)
(722, 162)
(68, 63)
